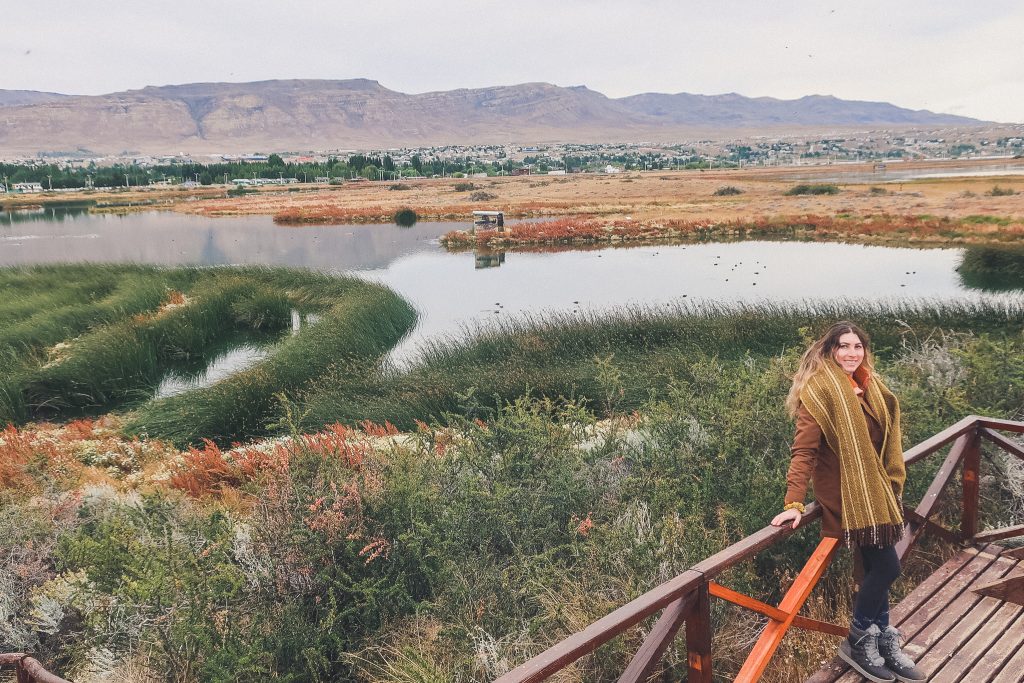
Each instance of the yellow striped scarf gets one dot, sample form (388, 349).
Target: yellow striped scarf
(871, 484)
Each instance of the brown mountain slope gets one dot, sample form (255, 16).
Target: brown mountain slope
(320, 114)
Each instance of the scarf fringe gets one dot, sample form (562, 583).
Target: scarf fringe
(880, 535)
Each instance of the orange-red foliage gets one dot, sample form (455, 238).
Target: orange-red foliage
(209, 470)
(78, 430)
(588, 230)
(17, 451)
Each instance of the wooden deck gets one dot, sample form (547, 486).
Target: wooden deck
(955, 633)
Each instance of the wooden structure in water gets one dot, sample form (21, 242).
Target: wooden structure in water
(489, 218)
(965, 622)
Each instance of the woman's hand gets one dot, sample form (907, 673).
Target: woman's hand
(787, 515)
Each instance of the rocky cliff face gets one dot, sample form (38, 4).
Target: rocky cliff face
(317, 114)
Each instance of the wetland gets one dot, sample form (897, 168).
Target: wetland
(423, 463)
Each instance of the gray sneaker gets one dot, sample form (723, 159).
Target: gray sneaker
(860, 651)
(901, 666)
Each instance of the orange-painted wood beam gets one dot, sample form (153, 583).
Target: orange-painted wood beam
(764, 648)
(806, 623)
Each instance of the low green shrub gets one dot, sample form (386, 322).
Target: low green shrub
(816, 188)
(727, 191)
(405, 218)
(992, 267)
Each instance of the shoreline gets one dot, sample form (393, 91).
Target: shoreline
(666, 203)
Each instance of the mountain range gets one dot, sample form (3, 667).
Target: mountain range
(298, 115)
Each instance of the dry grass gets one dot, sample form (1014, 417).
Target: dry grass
(649, 198)
(682, 195)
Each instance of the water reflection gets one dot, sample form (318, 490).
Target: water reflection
(176, 239)
(221, 366)
(486, 258)
(48, 214)
(992, 268)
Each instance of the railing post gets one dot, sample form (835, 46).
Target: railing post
(647, 658)
(698, 637)
(971, 487)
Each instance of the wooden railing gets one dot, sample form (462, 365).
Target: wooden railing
(685, 599)
(28, 670)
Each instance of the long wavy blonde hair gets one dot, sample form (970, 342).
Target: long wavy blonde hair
(821, 351)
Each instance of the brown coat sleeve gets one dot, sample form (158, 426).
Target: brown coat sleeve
(804, 456)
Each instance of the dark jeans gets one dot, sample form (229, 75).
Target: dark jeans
(881, 567)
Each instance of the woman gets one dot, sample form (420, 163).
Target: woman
(848, 442)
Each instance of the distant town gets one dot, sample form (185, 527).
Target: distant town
(68, 171)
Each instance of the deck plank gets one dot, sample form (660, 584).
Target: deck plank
(960, 633)
(956, 634)
(985, 653)
(957, 619)
(919, 619)
(1013, 669)
(834, 670)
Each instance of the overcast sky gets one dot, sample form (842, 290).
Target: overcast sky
(948, 56)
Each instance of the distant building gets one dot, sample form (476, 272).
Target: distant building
(27, 187)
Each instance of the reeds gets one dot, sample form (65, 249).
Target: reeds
(562, 355)
(87, 339)
(356, 329)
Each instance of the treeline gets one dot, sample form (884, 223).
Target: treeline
(56, 177)
(53, 176)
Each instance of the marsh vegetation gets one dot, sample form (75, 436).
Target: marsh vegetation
(438, 520)
(82, 340)
(457, 550)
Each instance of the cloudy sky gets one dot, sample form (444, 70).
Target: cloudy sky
(945, 55)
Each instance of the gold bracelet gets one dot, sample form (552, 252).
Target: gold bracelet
(799, 507)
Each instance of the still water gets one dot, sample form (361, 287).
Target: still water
(454, 290)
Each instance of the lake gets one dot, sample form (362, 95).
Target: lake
(456, 290)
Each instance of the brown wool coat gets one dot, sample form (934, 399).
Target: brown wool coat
(813, 459)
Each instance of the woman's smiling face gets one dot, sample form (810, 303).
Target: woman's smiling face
(849, 353)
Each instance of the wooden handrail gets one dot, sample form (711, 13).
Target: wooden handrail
(29, 670)
(604, 629)
(686, 595)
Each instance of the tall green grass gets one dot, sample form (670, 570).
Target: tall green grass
(354, 332)
(85, 339)
(570, 356)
